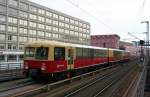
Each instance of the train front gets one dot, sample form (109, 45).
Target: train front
(35, 61)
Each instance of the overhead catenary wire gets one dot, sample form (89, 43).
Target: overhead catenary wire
(88, 13)
(143, 3)
(131, 34)
(141, 9)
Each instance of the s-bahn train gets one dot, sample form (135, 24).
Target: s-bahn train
(51, 58)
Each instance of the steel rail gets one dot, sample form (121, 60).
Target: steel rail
(136, 81)
(111, 83)
(16, 86)
(90, 84)
(102, 90)
(49, 86)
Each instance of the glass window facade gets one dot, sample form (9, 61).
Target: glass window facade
(2, 47)
(61, 30)
(41, 33)
(49, 21)
(55, 16)
(48, 27)
(61, 18)
(22, 31)
(41, 19)
(32, 16)
(32, 32)
(13, 2)
(12, 38)
(33, 9)
(55, 36)
(67, 19)
(41, 11)
(31, 39)
(41, 26)
(2, 37)
(2, 18)
(55, 22)
(67, 25)
(12, 11)
(12, 20)
(2, 9)
(47, 34)
(2, 27)
(55, 29)
(21, 47)
(23, 6)
(61, 24)
(3, 1)
(49, 14)
(22, 21)
(23, 14)
(32, 24)
(12, 29)
(23, 39)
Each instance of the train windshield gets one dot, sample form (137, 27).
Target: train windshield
(42, 53)
(29, 52)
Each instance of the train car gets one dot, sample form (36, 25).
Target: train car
(50, 58)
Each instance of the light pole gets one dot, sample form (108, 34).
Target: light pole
(147, 37)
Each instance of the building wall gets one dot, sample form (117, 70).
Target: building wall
(109, 41)
(23, 21)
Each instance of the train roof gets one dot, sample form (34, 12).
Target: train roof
(87, 46)
(45, 43)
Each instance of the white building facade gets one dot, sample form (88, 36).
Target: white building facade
(23, 21)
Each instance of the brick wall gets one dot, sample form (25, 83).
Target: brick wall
(109, 41)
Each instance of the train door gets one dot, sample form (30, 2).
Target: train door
(70, 58)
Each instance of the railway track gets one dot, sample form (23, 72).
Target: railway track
(14, 92)
(28, 90)
(111, 84)
(75, 85)
(11, 75)
(90, 84)
(99, 86)
(7, 89)
(6, 86)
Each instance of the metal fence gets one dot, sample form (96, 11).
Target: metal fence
(6, 66)
(11, 70)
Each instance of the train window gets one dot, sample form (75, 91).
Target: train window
(42, 53)
(29, 52)
(79, 52)
(59, 53)
(85, 52)
(100, 53)
(91, 53)
(117, 53)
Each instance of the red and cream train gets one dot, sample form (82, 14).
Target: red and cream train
(49, 58)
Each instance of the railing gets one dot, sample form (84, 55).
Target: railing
(6, 66)
(11, 70)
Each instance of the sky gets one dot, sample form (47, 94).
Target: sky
(107, 16)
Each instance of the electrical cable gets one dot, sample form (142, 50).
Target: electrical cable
(88, 13)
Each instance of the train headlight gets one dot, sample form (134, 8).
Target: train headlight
(43, 67)
(26, 67)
